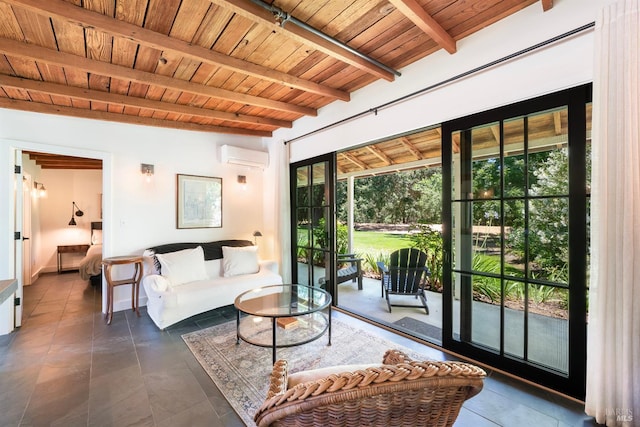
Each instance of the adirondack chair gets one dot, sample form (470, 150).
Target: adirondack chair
(351, 269)
(404, 275)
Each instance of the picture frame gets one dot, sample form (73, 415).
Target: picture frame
(198, 201)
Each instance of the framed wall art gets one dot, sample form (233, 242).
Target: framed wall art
(199, 201)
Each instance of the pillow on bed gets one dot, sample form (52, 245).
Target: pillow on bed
(239, 260)
(183, 266)
(96, 237)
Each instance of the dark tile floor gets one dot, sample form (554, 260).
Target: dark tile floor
(65, 367)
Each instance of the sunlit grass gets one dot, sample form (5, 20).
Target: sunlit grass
(364, 241)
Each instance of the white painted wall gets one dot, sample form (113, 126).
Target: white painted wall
(559, 66)
(136, 214)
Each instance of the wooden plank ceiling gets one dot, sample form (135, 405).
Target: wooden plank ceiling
(217, 65)
(228, 66)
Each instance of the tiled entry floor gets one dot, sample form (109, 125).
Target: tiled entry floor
(65, 367)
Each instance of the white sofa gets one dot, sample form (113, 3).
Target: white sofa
(179, 283)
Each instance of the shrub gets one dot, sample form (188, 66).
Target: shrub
(429, 241)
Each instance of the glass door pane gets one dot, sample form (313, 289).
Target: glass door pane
(516, 222)
(313, 234)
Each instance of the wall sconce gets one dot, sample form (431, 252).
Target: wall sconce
(242, 180)
(40, 190)
(256, 234)
(146, 170)
(75, 212)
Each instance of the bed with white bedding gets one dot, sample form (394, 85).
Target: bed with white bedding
(91, 265)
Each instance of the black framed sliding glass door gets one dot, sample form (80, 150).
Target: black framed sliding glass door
(515, 232)
(313, 225)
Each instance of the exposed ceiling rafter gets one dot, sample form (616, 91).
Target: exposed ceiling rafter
(62, 59)
(122, 118)
(354, 160)
(412, 149)
(85, 18)
(412, 10)
(379, 154)
(264, 17)
(130, 101)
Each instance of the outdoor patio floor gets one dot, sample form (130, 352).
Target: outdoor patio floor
(547, 338)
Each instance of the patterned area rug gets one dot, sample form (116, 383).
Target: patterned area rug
(241, 372)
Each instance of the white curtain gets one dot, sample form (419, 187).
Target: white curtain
(613, 349)
(283, 209)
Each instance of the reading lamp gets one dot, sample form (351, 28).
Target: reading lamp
(75, 213)
(256, 234)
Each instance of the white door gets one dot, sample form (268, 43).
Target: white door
(18, 197)
(27, 193)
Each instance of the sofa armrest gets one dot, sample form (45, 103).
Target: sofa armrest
(157, 289)
(270, 265)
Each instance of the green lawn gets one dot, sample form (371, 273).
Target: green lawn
(365, 241)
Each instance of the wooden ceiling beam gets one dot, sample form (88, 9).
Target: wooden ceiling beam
(67, 164)
(495, 131)
(121, 118)
(264, 17)
(557, 123)
(412, 148)
(379, 154)
(131, 101)
(355, 161)
(49, 56)
(58, 161)
(416, 14)
(546, 5)
(68, 12)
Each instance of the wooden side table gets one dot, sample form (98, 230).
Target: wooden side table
(69, 249)
(134, 281)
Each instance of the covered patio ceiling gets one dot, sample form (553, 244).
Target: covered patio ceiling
(423, 148)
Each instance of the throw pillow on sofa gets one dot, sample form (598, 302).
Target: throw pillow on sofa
(183, 266)
(239, 260)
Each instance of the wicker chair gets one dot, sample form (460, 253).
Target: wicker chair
(400, 392)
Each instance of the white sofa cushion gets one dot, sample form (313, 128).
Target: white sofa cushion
(239, 260)
(183, 266)
(213, 268)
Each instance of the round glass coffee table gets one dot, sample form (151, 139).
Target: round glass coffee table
(281, 316)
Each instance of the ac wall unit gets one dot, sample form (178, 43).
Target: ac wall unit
(244, 157)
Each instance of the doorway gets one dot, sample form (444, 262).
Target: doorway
(57, 181)
(313, 211)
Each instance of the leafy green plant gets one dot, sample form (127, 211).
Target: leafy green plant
(429, 241)
(371, 259)
(541, 293)
(488, 287)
